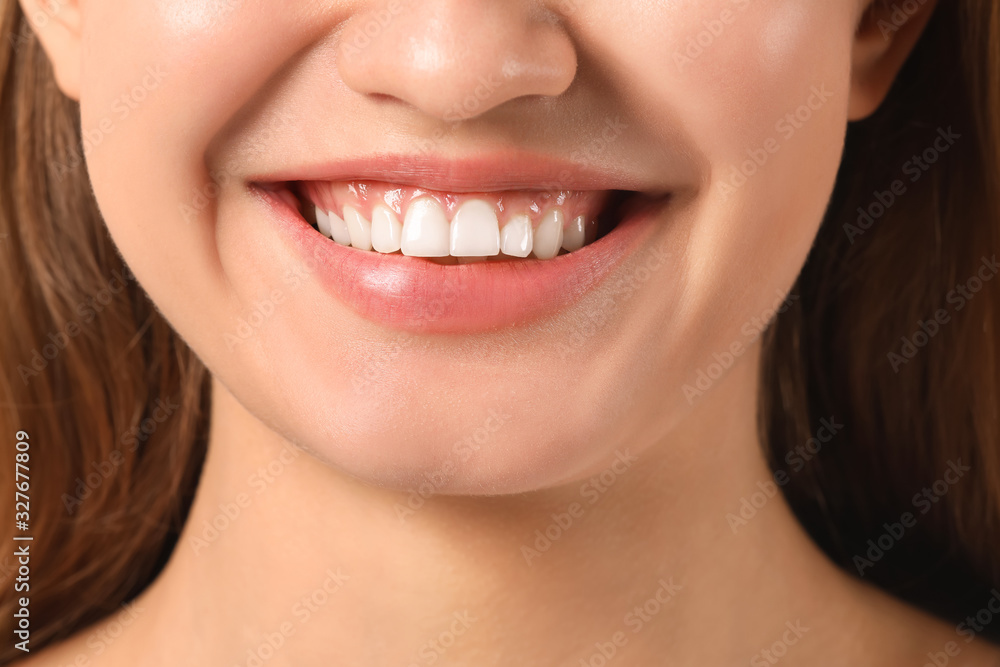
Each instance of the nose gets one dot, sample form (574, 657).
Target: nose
(456, 59)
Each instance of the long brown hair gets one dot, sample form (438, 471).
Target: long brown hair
(115, 404)
(91, 371)
(895, 334)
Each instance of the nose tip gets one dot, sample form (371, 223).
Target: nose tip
(455, 59)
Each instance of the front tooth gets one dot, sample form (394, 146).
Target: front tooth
(549, 235)
(475, 231)
(338, 229)
(425, 229)
(515, 239)
(575, 234)
(323, 222)
(359, 228)
(387, 230)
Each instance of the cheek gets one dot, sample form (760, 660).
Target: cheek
(774, 144)
(151, 102)
(760, 88)
(769, 108)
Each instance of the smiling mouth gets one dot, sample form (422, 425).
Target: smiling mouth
(458, 246)
(460, 228)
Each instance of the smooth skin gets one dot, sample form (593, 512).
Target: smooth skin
(323, 423)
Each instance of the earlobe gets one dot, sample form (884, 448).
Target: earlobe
(884, 40)
(57, 24)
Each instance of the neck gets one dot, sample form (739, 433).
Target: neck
(285, 561)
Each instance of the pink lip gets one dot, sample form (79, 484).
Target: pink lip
(413, 294)
(503, 171)
(410, 293)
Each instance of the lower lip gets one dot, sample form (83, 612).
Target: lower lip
(413, 294)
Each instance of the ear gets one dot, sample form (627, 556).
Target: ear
(57, 25)
(886, 35)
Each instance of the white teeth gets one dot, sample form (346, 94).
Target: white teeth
(332, 226)
(387, 230)
(475, 231)
(575, 234)
(323, 222)
(338, 228)
(549, 235)
(359, 228)
(515, 238)
(425, 230)
(473, 234)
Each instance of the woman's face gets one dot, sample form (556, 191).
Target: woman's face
(206, 123)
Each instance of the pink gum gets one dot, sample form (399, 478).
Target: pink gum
(365, 195)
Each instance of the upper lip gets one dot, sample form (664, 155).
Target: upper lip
(496, 172)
